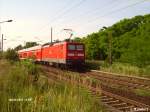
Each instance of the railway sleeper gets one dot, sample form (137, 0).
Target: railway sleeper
(107, 99)
(119, 104)
(147, 87)
(126, 107)
(129, 85)
(104, 96)
(112, 102)
(143, 86)
(122, 82)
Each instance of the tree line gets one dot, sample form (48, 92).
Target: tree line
(12, 55)
(130, 39)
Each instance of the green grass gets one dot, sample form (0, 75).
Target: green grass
(17, 81)
(120, 68)
(127, 69)
(93, 64)
(142, 92)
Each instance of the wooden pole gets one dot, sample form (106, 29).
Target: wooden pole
(51, 35)
(2, 42)
(110, 47)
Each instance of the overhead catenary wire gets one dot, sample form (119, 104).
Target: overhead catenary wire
(98, 17)
(24, 41)
(59, 11)
(79, 4)
(111, 12)
(68, 10)
(95, 10)
(63, 13)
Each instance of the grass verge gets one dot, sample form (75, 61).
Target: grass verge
(22, 89)
(120, 68)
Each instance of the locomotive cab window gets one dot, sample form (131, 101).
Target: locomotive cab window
(71, 47)
(79, 47)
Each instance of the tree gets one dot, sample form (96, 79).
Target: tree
(27, 45)
(11, 55)
(1, 56)
(77, 39)
(92, 46)
(130, 41)
(30, 44)
(19, 47)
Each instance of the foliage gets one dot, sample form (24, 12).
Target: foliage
(30, 44)
(41, 96)
(27, 45)
(142, 92)
(130, 41)
(92, 64)
(77, 39)
(19, 47)
(126, 69)
(1, 56)
(31, 68)
(11, 55)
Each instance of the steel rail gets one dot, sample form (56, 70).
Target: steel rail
(112, 101)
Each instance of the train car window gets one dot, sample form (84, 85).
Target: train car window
(79, 47)
(71, 47)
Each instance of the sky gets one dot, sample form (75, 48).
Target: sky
(33, 19)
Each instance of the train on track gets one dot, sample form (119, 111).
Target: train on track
(60, 54)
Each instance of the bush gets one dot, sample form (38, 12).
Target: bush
(11, 55)
(31, 68)
(93, 64)
(1, 56)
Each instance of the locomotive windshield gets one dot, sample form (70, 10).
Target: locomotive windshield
(79, 47)
(71, 47)
(75, 47)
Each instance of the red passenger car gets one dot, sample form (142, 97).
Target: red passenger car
(62, 53)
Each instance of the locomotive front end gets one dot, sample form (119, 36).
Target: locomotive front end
(75, 54)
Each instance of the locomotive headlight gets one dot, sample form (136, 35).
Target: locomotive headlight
(80, 54)
(70, 54)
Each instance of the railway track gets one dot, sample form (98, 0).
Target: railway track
(125, 81)
(121, 104)
(113, 102)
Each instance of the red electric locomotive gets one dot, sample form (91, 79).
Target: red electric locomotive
(61, 53)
